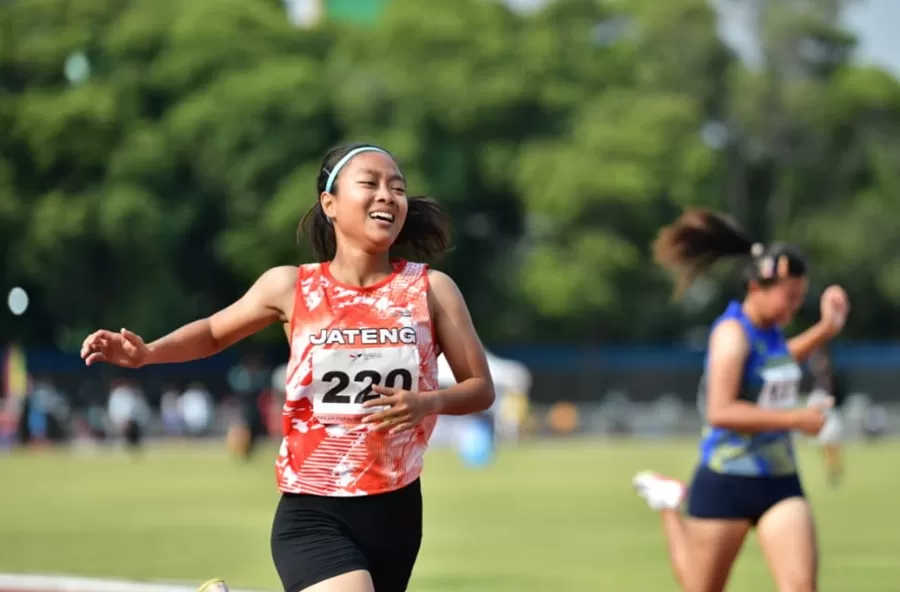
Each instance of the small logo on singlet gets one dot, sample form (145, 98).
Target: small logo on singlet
(380, 336)
(365, 356)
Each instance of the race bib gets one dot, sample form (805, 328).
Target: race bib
(779, 395)
(780, 388)
(343, 379)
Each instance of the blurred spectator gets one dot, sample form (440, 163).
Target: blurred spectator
(170, 411)
(197, 410)
(249, 382)
(827, 382)
(279, 377)
(876, 422)
(92, 398)
(275, 404)
(129, 413)
(96, 419)
(45, 415)
(8, 421)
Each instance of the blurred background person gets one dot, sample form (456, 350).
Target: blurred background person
(197, 410)
(829, 382)
(249, 382)
(170, 411)
(876, 423)
(47, 413)
(93, 400)
(128, 412)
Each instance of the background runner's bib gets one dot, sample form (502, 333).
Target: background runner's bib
(342, 379)
(780, 387)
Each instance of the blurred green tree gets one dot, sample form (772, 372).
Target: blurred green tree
(813, 136)
(156, 155)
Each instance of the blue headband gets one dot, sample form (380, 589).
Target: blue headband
(340, 164)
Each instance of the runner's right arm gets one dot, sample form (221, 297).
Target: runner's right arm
(262, 305)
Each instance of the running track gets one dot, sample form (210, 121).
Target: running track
(43, 583)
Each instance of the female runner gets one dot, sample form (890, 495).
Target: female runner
(364, 331)
(747, 474)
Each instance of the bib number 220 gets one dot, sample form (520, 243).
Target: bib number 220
(343, 379)
(364, 380)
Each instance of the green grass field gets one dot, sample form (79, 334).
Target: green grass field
(547, 516)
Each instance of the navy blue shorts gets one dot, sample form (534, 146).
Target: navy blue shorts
(728, 497)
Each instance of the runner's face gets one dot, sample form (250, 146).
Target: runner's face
(781, 301)
(369, 205)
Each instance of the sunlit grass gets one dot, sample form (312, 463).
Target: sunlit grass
(548, 516)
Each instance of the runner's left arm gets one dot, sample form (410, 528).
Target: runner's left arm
(461, 346)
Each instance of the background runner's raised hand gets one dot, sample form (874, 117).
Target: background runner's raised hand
(835, 306)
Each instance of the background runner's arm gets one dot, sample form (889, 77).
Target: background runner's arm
(255, 310)
(728, 351)
(835, 306)
(462, 348)
(810, 340)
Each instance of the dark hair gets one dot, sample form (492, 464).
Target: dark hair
(425, 234)
(699, 238)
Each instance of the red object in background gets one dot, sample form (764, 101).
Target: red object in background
(9, 421)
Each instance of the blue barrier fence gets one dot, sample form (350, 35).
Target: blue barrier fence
(538, 358)
(572, 373)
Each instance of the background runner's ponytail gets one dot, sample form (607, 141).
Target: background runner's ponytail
(694, 242)
(699, 238)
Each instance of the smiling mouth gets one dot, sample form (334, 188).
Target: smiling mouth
(382, 217)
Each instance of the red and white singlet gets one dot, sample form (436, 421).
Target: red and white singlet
(344, 339)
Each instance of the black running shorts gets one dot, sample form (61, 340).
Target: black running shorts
(315, 538)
